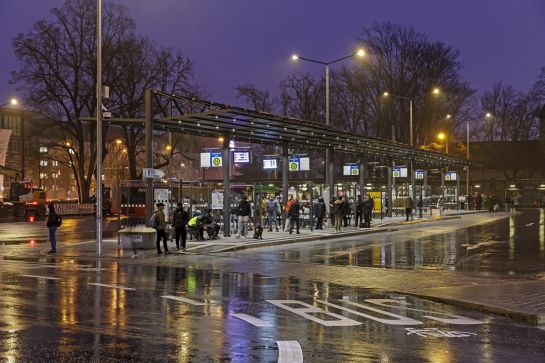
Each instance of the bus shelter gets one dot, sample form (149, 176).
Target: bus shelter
(179, 114)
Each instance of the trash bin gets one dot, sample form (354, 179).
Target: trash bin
(140, 237)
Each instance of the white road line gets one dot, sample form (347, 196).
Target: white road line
(289, 351)
(252, 320)
(43, 277)
(184, 300)
(112, 286)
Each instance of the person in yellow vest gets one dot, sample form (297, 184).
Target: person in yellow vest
(195, 226)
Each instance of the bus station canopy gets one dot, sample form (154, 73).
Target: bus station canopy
(211, 119)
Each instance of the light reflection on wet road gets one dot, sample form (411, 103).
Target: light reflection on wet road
(515, 245)
(68, 319)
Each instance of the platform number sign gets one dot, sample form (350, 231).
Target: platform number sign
(350, 169)
(419, 174)
(295, 163)
(216, 160)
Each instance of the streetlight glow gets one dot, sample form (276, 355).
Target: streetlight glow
(441, 136)
(385, 94)
(220, 139)
(488, 115)
(449, 115)
(13, 102)
(436, 91)
(169, 147)
(294, 57)
(360, 53)
(118, 141)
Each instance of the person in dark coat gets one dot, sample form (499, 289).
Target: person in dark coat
(331, 212)
(320, 213)
(359, 212)
(293, 215)
(179, 222)
(244, 212)
(338, 213)
(368, 205)
(53, 222)
(347, 211)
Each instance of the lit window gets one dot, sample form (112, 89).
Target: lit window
(43, 149)
(55, 163)
(43, 162)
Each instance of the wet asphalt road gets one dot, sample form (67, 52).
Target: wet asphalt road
(55, 313)
(511, 246)
(74, 229)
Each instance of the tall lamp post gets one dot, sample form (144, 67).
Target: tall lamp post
(99, 130)
(359, 53)
(411, 100)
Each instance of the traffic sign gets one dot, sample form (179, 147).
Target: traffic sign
(149, 173)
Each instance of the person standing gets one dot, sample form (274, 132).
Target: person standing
(420, 206)
(272, 208)
(346, 211)
(244, 211)
(320, 213)
(359, 212)
(159, 223)
(338, 212)
(287, 211)
(367, 210)
(409, 206)
(54, 221)
(293, 215)
(179, 221)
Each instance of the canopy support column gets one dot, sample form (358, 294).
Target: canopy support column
(226, 156)
(285, 182)
(389, 189)
(331, 175)
(148, 109)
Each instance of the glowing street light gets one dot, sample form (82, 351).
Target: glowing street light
(118, 141)
(169, 147)
(488, 115)
(443, 137)
(12, 102)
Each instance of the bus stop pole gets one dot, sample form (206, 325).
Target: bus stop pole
(148, 99)
(285, 171)
(226, 187)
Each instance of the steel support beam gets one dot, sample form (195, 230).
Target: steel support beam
(148, 110)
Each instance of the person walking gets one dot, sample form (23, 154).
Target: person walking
(271, 206)
(54, 221)
(409, 206)
(293, 215)
(367, 209)
(179, 221)
(244, 211)
(320, 213)
(359, 212)
(159, 223)
(346, 211)
(338, 212)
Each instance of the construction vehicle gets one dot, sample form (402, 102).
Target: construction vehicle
(24, 200)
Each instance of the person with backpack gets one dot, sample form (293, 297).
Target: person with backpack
(159, 223)
(293, 215)
(179, 220)
(320, 213)
(54, 221)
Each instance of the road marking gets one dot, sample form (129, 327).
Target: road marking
(252, 320)
(399, 320)
(43, 277)
(112, 286)
(184, 300)
(435, 332)
(289, 351)
(401, 304)
(307, 310)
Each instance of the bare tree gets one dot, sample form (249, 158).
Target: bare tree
(58, 77)
(512, 114)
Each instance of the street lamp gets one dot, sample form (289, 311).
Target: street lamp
(358, 53)
(435, 91)
(11, 102)
(443, 137)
